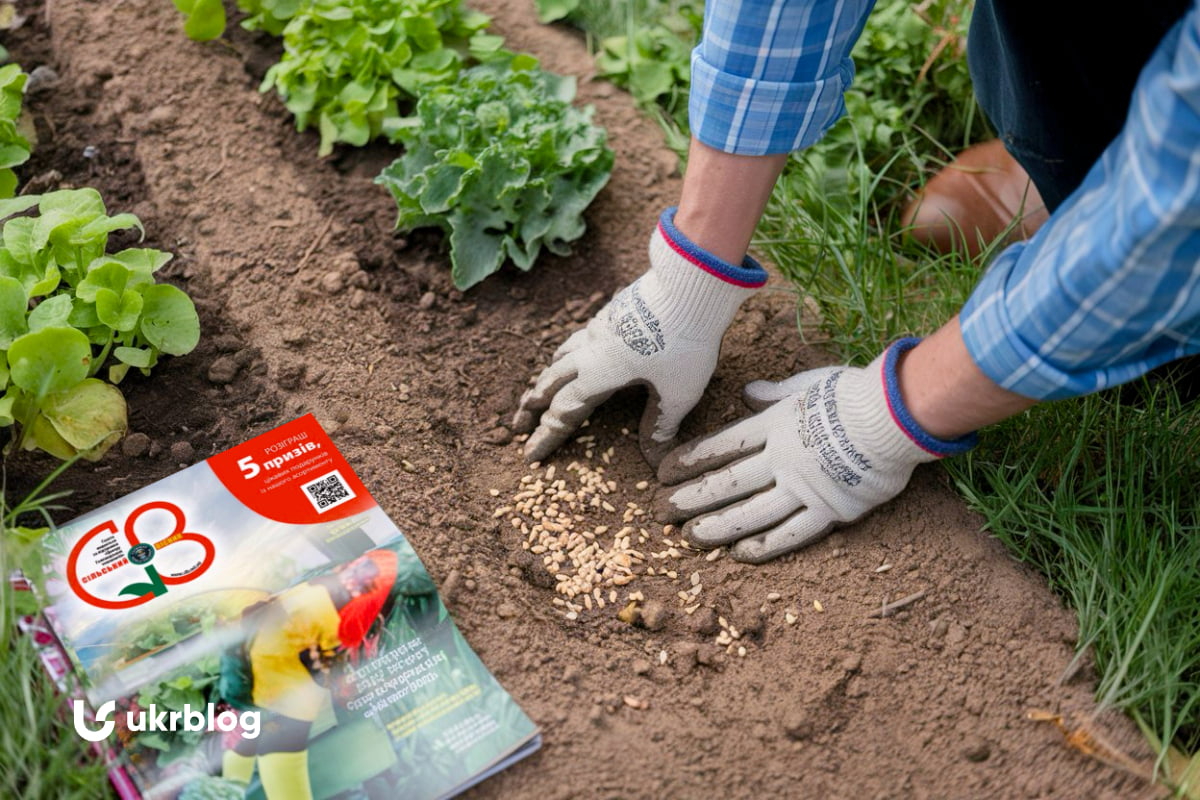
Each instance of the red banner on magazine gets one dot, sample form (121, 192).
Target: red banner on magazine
(293, 474)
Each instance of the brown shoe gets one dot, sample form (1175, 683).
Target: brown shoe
(979, 196)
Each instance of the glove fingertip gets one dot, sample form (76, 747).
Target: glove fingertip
(667, 511)
(752, 551)
(690, 535)
(541, 443)
(671, 469)
(759, 395)
(522, 421)
(655, 452)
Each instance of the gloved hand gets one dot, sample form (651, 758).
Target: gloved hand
(831, 445)
(663, 331)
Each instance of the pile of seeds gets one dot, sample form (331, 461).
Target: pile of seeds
(589, 562)
(593, 547)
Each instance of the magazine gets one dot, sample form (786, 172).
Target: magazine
(255, 626)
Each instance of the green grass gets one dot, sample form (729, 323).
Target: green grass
(40, 754)
(1099, 493)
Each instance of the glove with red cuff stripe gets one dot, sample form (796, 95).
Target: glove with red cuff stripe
(831, 445)
(662, 331)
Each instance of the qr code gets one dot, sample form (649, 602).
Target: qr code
(328, 491)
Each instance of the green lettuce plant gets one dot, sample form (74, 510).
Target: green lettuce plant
(269, 16)
(502, 162)
(14, 146)
(347, 64)
(68, 309)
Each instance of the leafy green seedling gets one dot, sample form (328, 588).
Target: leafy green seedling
(68, 309)
(501, 161)
(14, 146)
(270, 16)
(347, 64)
(203, 19)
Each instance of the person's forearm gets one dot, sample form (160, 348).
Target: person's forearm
(946, 393)
(723, 198)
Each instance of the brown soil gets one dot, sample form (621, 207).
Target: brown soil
(310, 302)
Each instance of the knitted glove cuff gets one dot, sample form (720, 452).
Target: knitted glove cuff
(703, 291)
(932, 445)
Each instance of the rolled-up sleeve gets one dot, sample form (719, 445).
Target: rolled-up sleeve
(769, 75)
(1110, 287)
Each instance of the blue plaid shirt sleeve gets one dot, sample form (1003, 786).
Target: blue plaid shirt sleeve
(768, 75)
(1110, 286)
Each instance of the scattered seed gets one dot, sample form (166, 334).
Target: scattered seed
(790, 618)
(713, 555)
(494, 492)
(741, 651)
(817, 605)
(695, 579)
(883, 567)
(642, 486)
(773, 596)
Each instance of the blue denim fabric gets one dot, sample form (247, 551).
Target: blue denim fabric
(1055, 78)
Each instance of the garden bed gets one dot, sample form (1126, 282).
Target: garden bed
(311, 303)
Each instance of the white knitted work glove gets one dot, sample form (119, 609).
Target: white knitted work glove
(662, 331)
(836, 443)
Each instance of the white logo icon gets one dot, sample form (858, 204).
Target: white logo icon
(102, 716)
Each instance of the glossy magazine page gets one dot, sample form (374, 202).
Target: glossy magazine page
(256, 626)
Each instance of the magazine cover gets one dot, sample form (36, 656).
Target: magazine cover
(255, 626)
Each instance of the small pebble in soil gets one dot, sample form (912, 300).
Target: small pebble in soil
(641, 666)
(222, 370)
(797, 726)
(654, 615)
(427, 300)
(136, 445)
(704, 622)
(42, 77)
(182, 452)
(451, 585)
(506, 611)
(498, 436)
(976, 749)
(333, 282)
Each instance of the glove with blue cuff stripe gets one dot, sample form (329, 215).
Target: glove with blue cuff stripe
(831, 445)
(663, 331)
